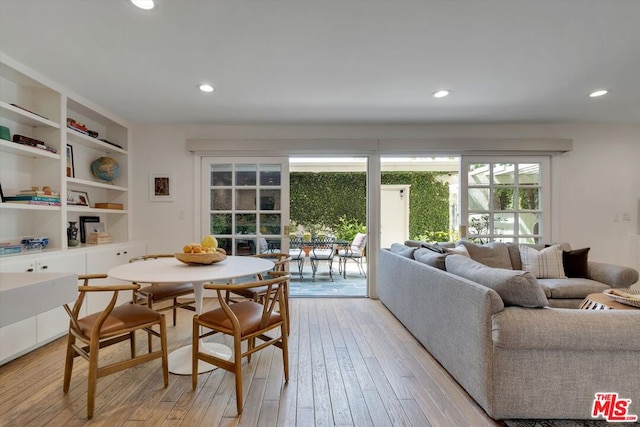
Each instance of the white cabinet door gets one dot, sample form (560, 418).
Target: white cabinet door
(16, 338)
(21, 264)
(100, 261)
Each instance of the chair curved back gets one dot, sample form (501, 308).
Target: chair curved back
(108, 327)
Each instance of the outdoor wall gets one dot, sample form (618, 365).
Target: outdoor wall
(596, 183)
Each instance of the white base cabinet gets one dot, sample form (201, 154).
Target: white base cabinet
(26, 335)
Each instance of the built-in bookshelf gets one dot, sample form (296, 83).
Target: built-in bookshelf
(38, 110)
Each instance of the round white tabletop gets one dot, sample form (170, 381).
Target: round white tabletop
(170, 270)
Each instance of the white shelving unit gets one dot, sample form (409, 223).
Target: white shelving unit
(32, 106)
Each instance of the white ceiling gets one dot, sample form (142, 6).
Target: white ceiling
(337, 61)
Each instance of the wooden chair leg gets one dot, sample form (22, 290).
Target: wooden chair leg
(285, 353)
(92, 377)
(237, 354)
(132, 343)
(175, 310)
(68, 364)
(165, 354)
(194, 354)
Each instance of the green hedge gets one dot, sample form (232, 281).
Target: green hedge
(321, 199)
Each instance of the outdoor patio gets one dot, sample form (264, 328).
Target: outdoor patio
(355, 285)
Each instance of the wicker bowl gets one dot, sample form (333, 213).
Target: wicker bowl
(624, 296)
(201, 258)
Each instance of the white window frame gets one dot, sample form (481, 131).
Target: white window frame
(544, 230)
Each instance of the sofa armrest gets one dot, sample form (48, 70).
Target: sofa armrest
(616, 276)
(566, 329)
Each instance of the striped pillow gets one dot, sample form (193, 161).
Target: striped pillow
(544, 264)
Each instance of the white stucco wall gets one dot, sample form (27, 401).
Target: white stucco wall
(597, 180)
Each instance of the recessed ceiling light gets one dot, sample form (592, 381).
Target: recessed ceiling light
(143, 4)
(441, 93)
(205, 87)
(599, 92)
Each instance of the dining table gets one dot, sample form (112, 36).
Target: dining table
(171, 270)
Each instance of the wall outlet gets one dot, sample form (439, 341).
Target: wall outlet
(626, 216)
(616, 217)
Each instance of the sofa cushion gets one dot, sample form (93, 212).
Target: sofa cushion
(544, 263)
(429, 257)
(514, 252)
(495, 254)
(514, 287)
(571, 288)
(575, 263)
(400, 249)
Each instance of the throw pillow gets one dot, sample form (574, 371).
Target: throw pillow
(400, 249)
(429, 257)
(543, 264)
(433, 247)
(575, 263)
(514, 287)
(458, 250)
(495, 254)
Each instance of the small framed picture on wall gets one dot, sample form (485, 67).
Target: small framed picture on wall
(160, 187)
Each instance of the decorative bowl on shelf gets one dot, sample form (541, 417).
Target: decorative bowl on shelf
(200, 258)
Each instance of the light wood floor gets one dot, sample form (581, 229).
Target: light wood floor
(351, 364)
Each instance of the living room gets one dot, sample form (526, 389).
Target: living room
(353, 79)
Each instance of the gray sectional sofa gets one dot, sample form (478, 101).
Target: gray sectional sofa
(536, 361)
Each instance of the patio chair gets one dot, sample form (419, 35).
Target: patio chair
(355, 252)
(296, 253)
(323, 250)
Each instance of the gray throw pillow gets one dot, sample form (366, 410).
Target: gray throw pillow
(429, 257)
(400, 249)
(514, 287)
(494, 254)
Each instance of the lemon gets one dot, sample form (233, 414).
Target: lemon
(209, 242)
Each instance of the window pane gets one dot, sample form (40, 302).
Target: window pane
(529, 173)
(246, 200)
(503, 223)
(529, 224)
(225, 243)
(220, 175)
(503, 199)
(245, 247)
(270, 200)
(270, 224)
(245, 224)
(478, 174)
(478, 199)
(274, 245)
(220, 199)
(529, 198)
(504, 174)
(270, 175)
(246, 174)
(478, 224)
(221, 224)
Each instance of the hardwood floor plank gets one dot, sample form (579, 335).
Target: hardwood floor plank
(351, 363)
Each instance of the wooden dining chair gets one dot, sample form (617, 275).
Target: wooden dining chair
(281, 267)
(156, 293)
(108, 327)
(244, 321)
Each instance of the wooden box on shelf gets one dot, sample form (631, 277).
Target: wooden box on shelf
(100, 237)
(118, 206)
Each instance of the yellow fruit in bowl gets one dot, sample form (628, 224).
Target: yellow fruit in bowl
(209, 242)
(186, 249)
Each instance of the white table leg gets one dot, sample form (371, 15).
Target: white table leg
(180, 361)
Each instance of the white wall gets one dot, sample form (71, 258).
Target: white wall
(598, 179)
